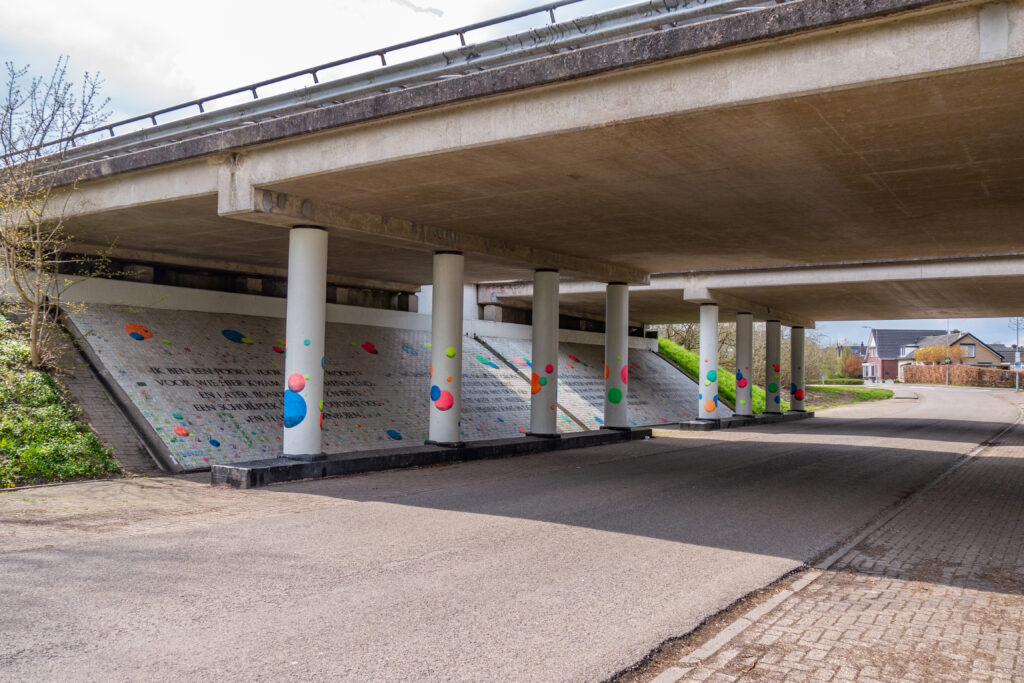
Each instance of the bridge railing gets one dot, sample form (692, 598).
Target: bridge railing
(196, 117)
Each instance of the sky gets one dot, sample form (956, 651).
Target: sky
(153, 55)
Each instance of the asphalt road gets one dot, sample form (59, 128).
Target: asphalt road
(565, 566)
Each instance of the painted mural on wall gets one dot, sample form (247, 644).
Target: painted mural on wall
(657, 392)
(213, 386)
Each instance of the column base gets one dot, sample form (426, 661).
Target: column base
(618, 429)
(797, 410)
(544, 436)
(312, 457)
(713, 420)
(445, 444)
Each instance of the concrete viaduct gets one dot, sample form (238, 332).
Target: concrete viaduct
(790, 162)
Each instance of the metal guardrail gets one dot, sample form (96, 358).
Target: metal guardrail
(466, 58)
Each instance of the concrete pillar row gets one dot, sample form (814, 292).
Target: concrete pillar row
(707, 374)
(305, 331)
(744, 358)
(446, 350)
(616, 356)
(772, 366)
(544, 376)
(796, 369)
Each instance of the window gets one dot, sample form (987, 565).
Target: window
(969, 350)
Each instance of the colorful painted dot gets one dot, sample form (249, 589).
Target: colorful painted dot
(773, 387)
(709, 406)
(798, 394)
(778, 400)
(615, 395)
(743, 401)
(296, 382)
(445, 401)
(624, 374)
(165, 341)
(549, 368)
(742, 382)
(543, 381)
(450, 352)
(215, 443)
(369, 348)
(138, 332)
(181, 431)
(409, 350)
(294, 409)
(535, 385)
(792, 387)
(435, 392)
(712, 375)
(177, 416)
(234, 336)
(449, 378)
(397, 436)
(277, 349)
(487, 361)
(306, 342)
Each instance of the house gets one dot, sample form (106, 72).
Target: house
(886, 347)
(859, 350)
(964, 349)
(1008, 353)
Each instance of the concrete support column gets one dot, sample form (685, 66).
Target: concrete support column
(616, 356)
(544, 376)
(772, 366)
(744, 356)
(446, 350)
(796, 369)
(707, 378)
(306, 326)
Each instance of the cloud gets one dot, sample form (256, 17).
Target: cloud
(417, 8)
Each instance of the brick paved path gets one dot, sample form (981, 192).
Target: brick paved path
(936, 594)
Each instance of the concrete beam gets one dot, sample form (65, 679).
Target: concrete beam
(237, 200)
(338, 279)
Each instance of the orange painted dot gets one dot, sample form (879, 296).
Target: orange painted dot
(552, 406)
(449, 379)
(709, 406)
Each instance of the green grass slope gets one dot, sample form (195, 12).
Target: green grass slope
(41, 439)
(688, 362)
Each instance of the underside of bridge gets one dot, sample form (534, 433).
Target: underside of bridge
(891, 137)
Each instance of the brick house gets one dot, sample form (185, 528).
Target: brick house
(886, 347)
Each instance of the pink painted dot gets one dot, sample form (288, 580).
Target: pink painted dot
(445, 401)
(549, 368)
(624, 374)
(296, 382)
(277, 349)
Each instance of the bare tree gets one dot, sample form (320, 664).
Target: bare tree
(39, 118)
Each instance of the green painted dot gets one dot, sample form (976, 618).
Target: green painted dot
(615, 395)
(743, 401)
(773, 387)
(305, 376)
(306, 342)
(428, 345)
(177, 416)
(450, 352)
(712, 375)
(321, 406)
(542, 381)
(141, 384)
(165, 341)
(707, 383)
(618, 357)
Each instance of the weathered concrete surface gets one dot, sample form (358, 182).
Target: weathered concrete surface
(562, 566)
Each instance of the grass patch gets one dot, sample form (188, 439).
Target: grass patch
(844, 380)
(41, 438)
(688, 362)
(819, 397)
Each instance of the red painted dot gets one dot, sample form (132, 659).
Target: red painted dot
(549, 368)
(181, 431)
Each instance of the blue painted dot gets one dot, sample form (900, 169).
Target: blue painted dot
(233, 336)
(136, 336)
(435, 392)
(500, 420)
(778, 400)
(792, 387)
(215, 443)
(599, 420)
(409, 350)
(294, 409)
(306, 342)
(394, 435)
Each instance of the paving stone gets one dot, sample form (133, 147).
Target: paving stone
(936, 594)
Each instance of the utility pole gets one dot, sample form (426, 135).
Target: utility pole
(947, 352)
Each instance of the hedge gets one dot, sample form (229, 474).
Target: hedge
(965, 375)
(843, 380)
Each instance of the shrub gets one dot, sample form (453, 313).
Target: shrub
(41, 438)
(843, 380)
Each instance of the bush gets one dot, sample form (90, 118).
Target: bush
(689, 363)
(964, 375)
(41, 439)
(843, 380)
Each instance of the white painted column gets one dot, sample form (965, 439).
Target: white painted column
(446, 350)
(707, 380)
(305, 327)
(744, 356)
(772, 366)
(796, 369)
(616, 355)
(544, 376)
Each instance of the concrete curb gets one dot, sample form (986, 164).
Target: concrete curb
(247, 475)
(736, 421)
